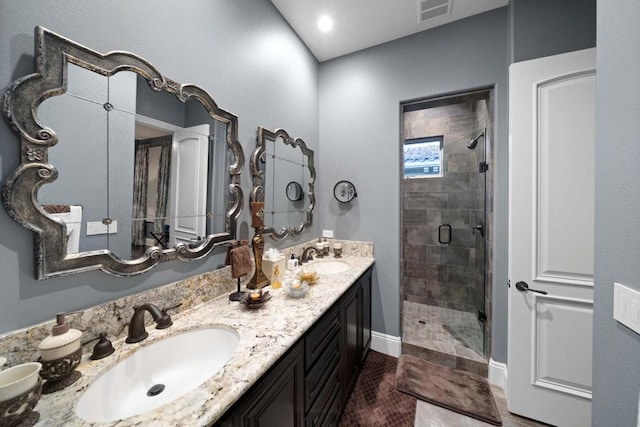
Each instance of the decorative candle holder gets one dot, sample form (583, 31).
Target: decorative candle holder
(337, 250)
(325, 249)
(256, 299)
(259, 279)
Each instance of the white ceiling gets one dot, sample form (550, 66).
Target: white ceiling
(359, 24)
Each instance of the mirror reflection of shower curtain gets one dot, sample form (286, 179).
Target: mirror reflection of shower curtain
(140, 178)
(162, 192)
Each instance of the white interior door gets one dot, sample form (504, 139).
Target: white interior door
(551, 205)
(188, 199)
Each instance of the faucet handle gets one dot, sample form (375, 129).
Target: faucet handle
(173, 307)
(165, 321)
(103, 348)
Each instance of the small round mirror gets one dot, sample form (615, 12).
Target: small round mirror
(344, 191)
(294, 191)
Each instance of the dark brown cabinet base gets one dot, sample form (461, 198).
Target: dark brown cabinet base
(310, 385)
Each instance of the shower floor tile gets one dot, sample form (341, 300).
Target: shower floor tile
(444, 330)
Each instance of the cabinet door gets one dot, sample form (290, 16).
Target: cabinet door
(352, 334)
(365, 285)
(278, 399)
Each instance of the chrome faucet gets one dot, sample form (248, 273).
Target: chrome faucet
(305, 254)
(137, 331)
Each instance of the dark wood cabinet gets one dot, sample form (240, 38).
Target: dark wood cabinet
(356, 330)
(365, 286)
(311, 384)
(351, 337)
(277, 400)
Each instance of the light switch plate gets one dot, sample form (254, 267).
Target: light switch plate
(97, 227)
(626, 306)
(327, 234)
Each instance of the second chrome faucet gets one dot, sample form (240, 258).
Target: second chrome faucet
(137, 331)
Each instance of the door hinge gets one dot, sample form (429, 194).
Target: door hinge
(484, 166)
(482, 316)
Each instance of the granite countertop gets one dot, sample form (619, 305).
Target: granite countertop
(265, 335)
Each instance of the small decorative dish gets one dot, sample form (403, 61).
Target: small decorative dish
(311, 277)
(20, 390)
(255, 298)
(296, 288)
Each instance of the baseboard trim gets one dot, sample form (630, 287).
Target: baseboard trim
(498, 375)
(386, 344)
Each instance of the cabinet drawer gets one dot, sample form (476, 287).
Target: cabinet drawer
(320, 336)
(332, 416)
(323, 371)
(326, 406)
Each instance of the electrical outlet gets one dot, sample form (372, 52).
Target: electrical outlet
(327, 234)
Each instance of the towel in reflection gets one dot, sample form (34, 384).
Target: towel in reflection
(239, 257)
(71, 216)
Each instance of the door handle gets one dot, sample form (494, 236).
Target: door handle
(523, 287)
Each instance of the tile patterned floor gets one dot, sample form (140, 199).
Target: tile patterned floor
(443, 329)
(376, 403)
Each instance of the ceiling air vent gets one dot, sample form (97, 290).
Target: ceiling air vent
(430, 9)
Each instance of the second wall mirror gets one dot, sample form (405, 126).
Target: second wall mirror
(121, 167)
(284, 177)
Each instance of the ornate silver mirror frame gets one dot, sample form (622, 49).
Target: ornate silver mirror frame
(258, 158)
(19, 192)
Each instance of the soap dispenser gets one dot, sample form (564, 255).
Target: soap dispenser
(62, 342)
(292, 262)
(60, 354)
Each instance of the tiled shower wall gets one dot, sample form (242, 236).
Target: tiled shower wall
(448, 275)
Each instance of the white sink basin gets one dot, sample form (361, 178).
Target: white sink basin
(331, 267)
(180, 363)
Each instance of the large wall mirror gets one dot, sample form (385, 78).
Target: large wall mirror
(121, 167)
(283, 177)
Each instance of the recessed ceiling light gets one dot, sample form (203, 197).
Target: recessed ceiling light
(325, 23)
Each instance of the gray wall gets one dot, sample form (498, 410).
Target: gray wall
(616, 373)
(185, 41)
(359, 121)
(360, 96)
(548, 27)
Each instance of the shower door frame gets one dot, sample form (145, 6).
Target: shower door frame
(481, 312)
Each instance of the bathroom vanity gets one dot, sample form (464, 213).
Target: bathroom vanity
(312, 382)
(295, 363)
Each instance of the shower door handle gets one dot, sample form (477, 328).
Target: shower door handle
(444, 234)
(523, 287)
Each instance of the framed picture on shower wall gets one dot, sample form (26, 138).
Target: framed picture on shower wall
(422, 157)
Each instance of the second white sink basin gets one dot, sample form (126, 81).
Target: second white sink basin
(157, 374)
(331, 267)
